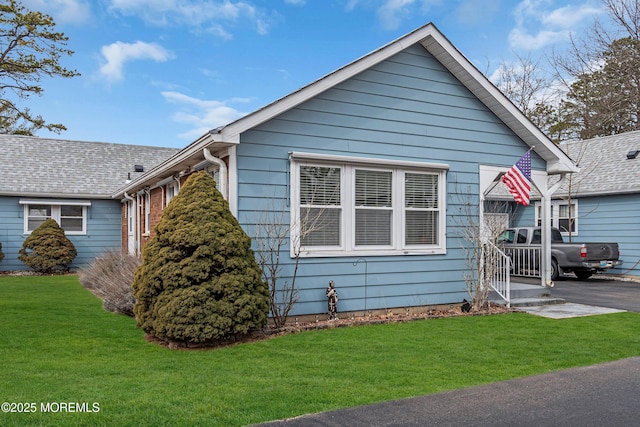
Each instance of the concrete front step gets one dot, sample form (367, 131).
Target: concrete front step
(535, 302)
(527, 295)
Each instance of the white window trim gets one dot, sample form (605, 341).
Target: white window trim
(555, 215)
(147, 212)
(173, 189)
(55, 205)
(348, 166)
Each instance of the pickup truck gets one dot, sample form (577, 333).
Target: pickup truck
(522, 244)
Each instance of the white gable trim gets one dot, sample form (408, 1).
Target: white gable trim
(442, 49)
(438, 46)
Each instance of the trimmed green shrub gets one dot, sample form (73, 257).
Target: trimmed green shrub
(109, 278)
(47, 249)
(199, 281)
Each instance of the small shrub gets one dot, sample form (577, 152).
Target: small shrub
(1, 253)
(199, 281)
(47, 249)
(109, 278)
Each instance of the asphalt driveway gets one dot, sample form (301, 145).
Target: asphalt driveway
(601, 292)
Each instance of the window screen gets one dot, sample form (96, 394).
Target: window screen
(320, 206)
(374, 208)
(421, 204)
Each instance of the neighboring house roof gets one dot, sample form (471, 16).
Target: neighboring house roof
(604, 166)
(438, 46)
(43, 167)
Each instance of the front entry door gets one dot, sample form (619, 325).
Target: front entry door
(131, 228)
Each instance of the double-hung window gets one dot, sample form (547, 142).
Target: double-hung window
(564, 216)
(70, 215)
(171, 190)
(346, 207)
(320, 200)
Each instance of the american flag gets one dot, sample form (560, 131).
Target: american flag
(518, 179)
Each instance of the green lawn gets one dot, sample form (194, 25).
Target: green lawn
(58, 345)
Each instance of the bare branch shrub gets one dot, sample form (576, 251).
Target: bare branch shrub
(271, 241)
(109, 278)
(274, 234)
(481, 257)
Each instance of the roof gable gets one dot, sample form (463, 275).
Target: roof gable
(441, 48)
(43, 167)
(430, 38)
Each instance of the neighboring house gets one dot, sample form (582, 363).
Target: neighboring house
(386, 155)
(71, 182)
(601, 203)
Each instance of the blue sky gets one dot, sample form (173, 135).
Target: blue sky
(163, 72)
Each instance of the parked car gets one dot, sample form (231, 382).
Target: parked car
(522, 244)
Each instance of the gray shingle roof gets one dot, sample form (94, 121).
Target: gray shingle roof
(43, 167)
(604, 167)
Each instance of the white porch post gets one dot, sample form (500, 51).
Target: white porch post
(540, 180)
(545, 222)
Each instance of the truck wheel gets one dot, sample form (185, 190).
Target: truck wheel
(555, 271)
(583, 275)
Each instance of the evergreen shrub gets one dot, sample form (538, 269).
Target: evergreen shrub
(1, 253)
(199, 281)
(109, 278)
(47, 249)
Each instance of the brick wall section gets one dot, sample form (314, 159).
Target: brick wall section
(158, 201)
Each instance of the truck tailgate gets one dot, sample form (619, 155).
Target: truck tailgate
(602, 251)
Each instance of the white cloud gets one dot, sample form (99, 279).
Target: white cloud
(391, 12)
(296, 2)
(62, 11)
(538, 25)
(119, 53)
(569, 16)
(520, 39)
(207, 14)
(202, 115)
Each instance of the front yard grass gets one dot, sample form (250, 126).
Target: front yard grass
(58, 345)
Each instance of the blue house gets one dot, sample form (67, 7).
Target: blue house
(372, 168)
(601, 202)
(71, 182)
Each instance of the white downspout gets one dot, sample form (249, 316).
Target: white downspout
(222, 169)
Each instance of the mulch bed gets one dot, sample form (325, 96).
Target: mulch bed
(322, 322)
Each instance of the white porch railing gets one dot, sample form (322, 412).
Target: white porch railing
(498, 267)
(525, 261)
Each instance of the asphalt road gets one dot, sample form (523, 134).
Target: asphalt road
(599, 395)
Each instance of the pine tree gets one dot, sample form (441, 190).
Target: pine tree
(47, 249)
(199, 281)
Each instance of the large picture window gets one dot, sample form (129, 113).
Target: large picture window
(366, 208)
(70, 215)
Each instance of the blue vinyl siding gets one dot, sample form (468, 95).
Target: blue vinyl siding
(613, 218)
(408, 108)
(103, 232)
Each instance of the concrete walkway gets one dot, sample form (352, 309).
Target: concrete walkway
(567, 310)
